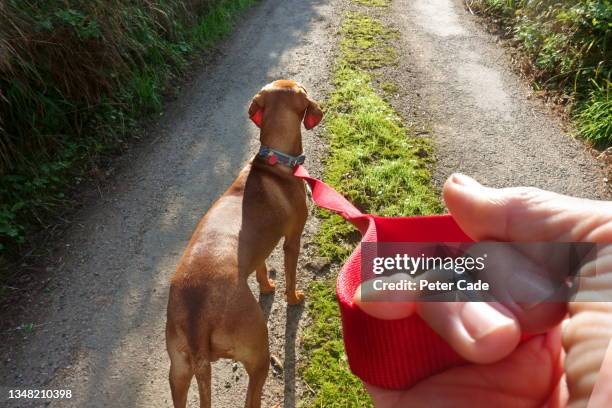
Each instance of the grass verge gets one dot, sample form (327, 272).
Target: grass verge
(380, 166)
(74, 79)
(568, 50)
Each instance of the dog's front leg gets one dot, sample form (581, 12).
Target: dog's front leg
(291, 247)
(266, 285)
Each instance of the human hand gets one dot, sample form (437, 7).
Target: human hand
(536, 373)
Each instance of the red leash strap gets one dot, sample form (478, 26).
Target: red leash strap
(392, 354)
(326, 197)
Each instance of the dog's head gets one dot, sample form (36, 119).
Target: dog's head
(284, 104)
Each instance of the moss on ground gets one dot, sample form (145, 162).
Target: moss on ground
(373, 3)
(381, 167)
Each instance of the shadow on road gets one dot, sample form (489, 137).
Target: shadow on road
(294, 315)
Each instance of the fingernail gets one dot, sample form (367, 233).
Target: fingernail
(464, 180)
(529, 289)
(480, 319)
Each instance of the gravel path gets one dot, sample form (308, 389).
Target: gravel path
(98, 325)
(484, 119)
(104, 309)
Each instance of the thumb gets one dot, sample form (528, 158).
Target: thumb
(479, 332)
(525, 213)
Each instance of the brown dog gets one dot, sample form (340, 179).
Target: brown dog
(212, 313)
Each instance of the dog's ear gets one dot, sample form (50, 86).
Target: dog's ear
(313, 115)
(256, 110)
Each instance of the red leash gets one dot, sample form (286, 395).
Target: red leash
(388, 353)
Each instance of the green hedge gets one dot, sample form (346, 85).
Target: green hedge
(569, 44)
(74, 77)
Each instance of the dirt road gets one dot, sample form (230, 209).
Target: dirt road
(97, 328)
(103, 313)
(483, 117)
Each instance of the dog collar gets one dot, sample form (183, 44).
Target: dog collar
(273, 156)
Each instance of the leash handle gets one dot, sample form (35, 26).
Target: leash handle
(393, 354)
(326, 197)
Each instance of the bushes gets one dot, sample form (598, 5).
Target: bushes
(74, 75)
(595, 115)
(569, 44)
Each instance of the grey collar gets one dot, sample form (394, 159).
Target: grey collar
(273, 157)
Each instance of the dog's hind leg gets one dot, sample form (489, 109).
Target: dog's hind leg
(258, 372)
(180, 377)
(203, 376)
(252, 347)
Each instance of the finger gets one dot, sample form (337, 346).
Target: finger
(523, 287)
(526, 378)
(586, 339)
(602, 391)
(524, 213)
(382, 304)
(479, 332)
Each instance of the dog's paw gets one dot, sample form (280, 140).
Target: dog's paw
(269, 287)
(295, 298)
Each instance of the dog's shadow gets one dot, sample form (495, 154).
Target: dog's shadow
(294, 314)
